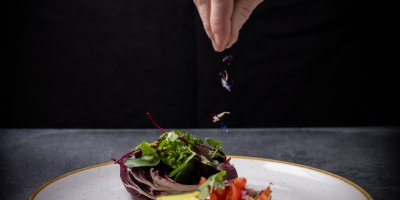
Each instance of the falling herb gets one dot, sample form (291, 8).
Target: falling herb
(226, 83)
(218, 117)
(227, 59)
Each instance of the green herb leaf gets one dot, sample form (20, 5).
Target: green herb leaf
(193, 139)
(216, 144)
(149, 157)
(182, 166)
(214, 181)
(146, 149)
(144, 161)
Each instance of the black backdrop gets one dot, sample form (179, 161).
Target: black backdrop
(105, 63)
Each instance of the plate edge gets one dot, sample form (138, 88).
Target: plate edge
(359, 188)
(34, 193)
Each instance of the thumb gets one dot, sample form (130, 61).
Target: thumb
(241, 13)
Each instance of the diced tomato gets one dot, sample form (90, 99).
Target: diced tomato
(213, 196)
(266, 194)
(202, 180)
(240, 183)
(221, 193)
(234, 193)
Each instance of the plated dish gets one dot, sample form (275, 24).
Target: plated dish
(182, 166)
(289, 182)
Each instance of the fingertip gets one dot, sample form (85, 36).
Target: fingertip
(234, 38)
(215, 46)
(229, 45)
(220, 20)
(218, 40)
(219, 49)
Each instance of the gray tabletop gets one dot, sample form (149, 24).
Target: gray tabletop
(366, 156)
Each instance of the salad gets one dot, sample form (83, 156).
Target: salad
(180, 165)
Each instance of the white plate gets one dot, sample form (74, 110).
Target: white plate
(289, 182)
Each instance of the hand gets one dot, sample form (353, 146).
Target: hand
(223, 19)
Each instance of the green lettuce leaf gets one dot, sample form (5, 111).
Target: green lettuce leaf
(144, 161)
(149, 157)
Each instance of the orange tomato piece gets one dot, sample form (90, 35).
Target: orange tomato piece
(234, 193)
(221, 193)
(213, 196)
(202, 180)
(266, 194)
(240, 183)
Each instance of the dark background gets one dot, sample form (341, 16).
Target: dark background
(105, 63)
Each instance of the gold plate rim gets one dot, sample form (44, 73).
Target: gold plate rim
(365, 193)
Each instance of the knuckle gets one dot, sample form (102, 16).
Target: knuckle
(244, 12)
(244, 16)
(218, 21)
(217, 28)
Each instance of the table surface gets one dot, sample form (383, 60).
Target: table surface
(366, 156)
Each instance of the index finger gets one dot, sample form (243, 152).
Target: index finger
(220, 21)
(203, 7)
